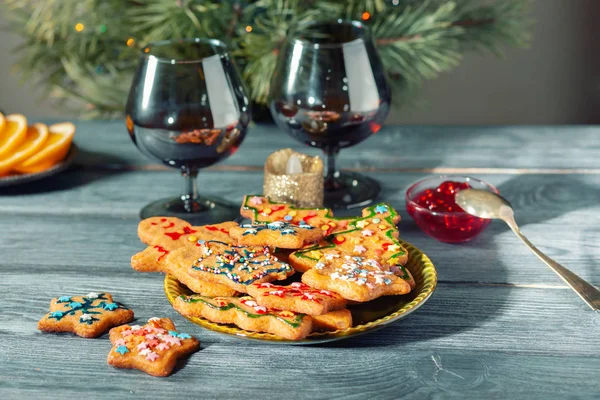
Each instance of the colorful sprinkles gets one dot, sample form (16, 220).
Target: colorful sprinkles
(89, 307)
(149, 341)
(241, 264)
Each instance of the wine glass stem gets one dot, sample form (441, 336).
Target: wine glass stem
(332, 172)
(190, 191)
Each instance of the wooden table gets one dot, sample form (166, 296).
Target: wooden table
(500, 324)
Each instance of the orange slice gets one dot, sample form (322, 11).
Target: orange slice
(14, 132)
(56, 148)
(2, 122)
(34, 140)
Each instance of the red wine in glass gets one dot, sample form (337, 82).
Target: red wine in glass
(329, 91)
(187, 109)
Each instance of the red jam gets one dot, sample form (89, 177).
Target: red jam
(435, 211)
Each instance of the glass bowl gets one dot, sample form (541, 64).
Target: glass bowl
(437, 221)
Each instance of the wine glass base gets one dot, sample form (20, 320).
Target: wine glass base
(352, 191)
(209, 210)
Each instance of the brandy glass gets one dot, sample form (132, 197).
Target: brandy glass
(329, 91)
(187, 108)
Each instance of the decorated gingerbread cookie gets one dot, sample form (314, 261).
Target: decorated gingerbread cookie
(378, 232)
(358, 278)
(278, 234)
(165, 235)
(374, 236)
(363, 262)
(86, 316)
(297, 297)
(247, 314)
(171, 232)
(233, 266)
(361, 258)
(153, 348)
(262, 210)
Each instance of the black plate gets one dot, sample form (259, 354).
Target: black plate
(19, 179)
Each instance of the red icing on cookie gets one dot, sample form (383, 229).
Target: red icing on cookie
(297, 290)
(176, 235)
(162, 250)
(310, 215)
(169, 226)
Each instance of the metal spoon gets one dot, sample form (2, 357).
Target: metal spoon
(484, 204)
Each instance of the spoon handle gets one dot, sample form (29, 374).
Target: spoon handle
(587, 292)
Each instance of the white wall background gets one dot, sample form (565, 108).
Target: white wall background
(556, 81)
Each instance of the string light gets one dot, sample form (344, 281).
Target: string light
(79, 27)
(130, 42)
(395, 2)
(366, 15)
(102, 28)
(248, 28)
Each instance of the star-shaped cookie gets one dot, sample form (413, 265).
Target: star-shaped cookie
(280, 234)
(86, 316)
(234, 266)
(153, 348)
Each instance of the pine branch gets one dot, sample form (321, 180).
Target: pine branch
(86, 50)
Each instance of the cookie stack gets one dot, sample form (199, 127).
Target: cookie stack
(232, 268)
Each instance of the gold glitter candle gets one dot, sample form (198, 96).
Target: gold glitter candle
(294, 178)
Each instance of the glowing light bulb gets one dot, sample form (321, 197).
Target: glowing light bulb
(366, 15)
(130, 42)
(79, 27)
(248, 28)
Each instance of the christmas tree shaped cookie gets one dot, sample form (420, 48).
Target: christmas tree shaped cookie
(373, 236)
(262, 210)
(153, 348)
(86, 316)
(247, 314)
(361, 258)
(363, 262)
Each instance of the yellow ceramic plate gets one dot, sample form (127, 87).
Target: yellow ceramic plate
(366, 317)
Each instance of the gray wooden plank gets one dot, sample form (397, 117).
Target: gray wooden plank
(107, 142)
(316, 373)
(536, 198)
(102, 212)
(477, 342)
(456, 317)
